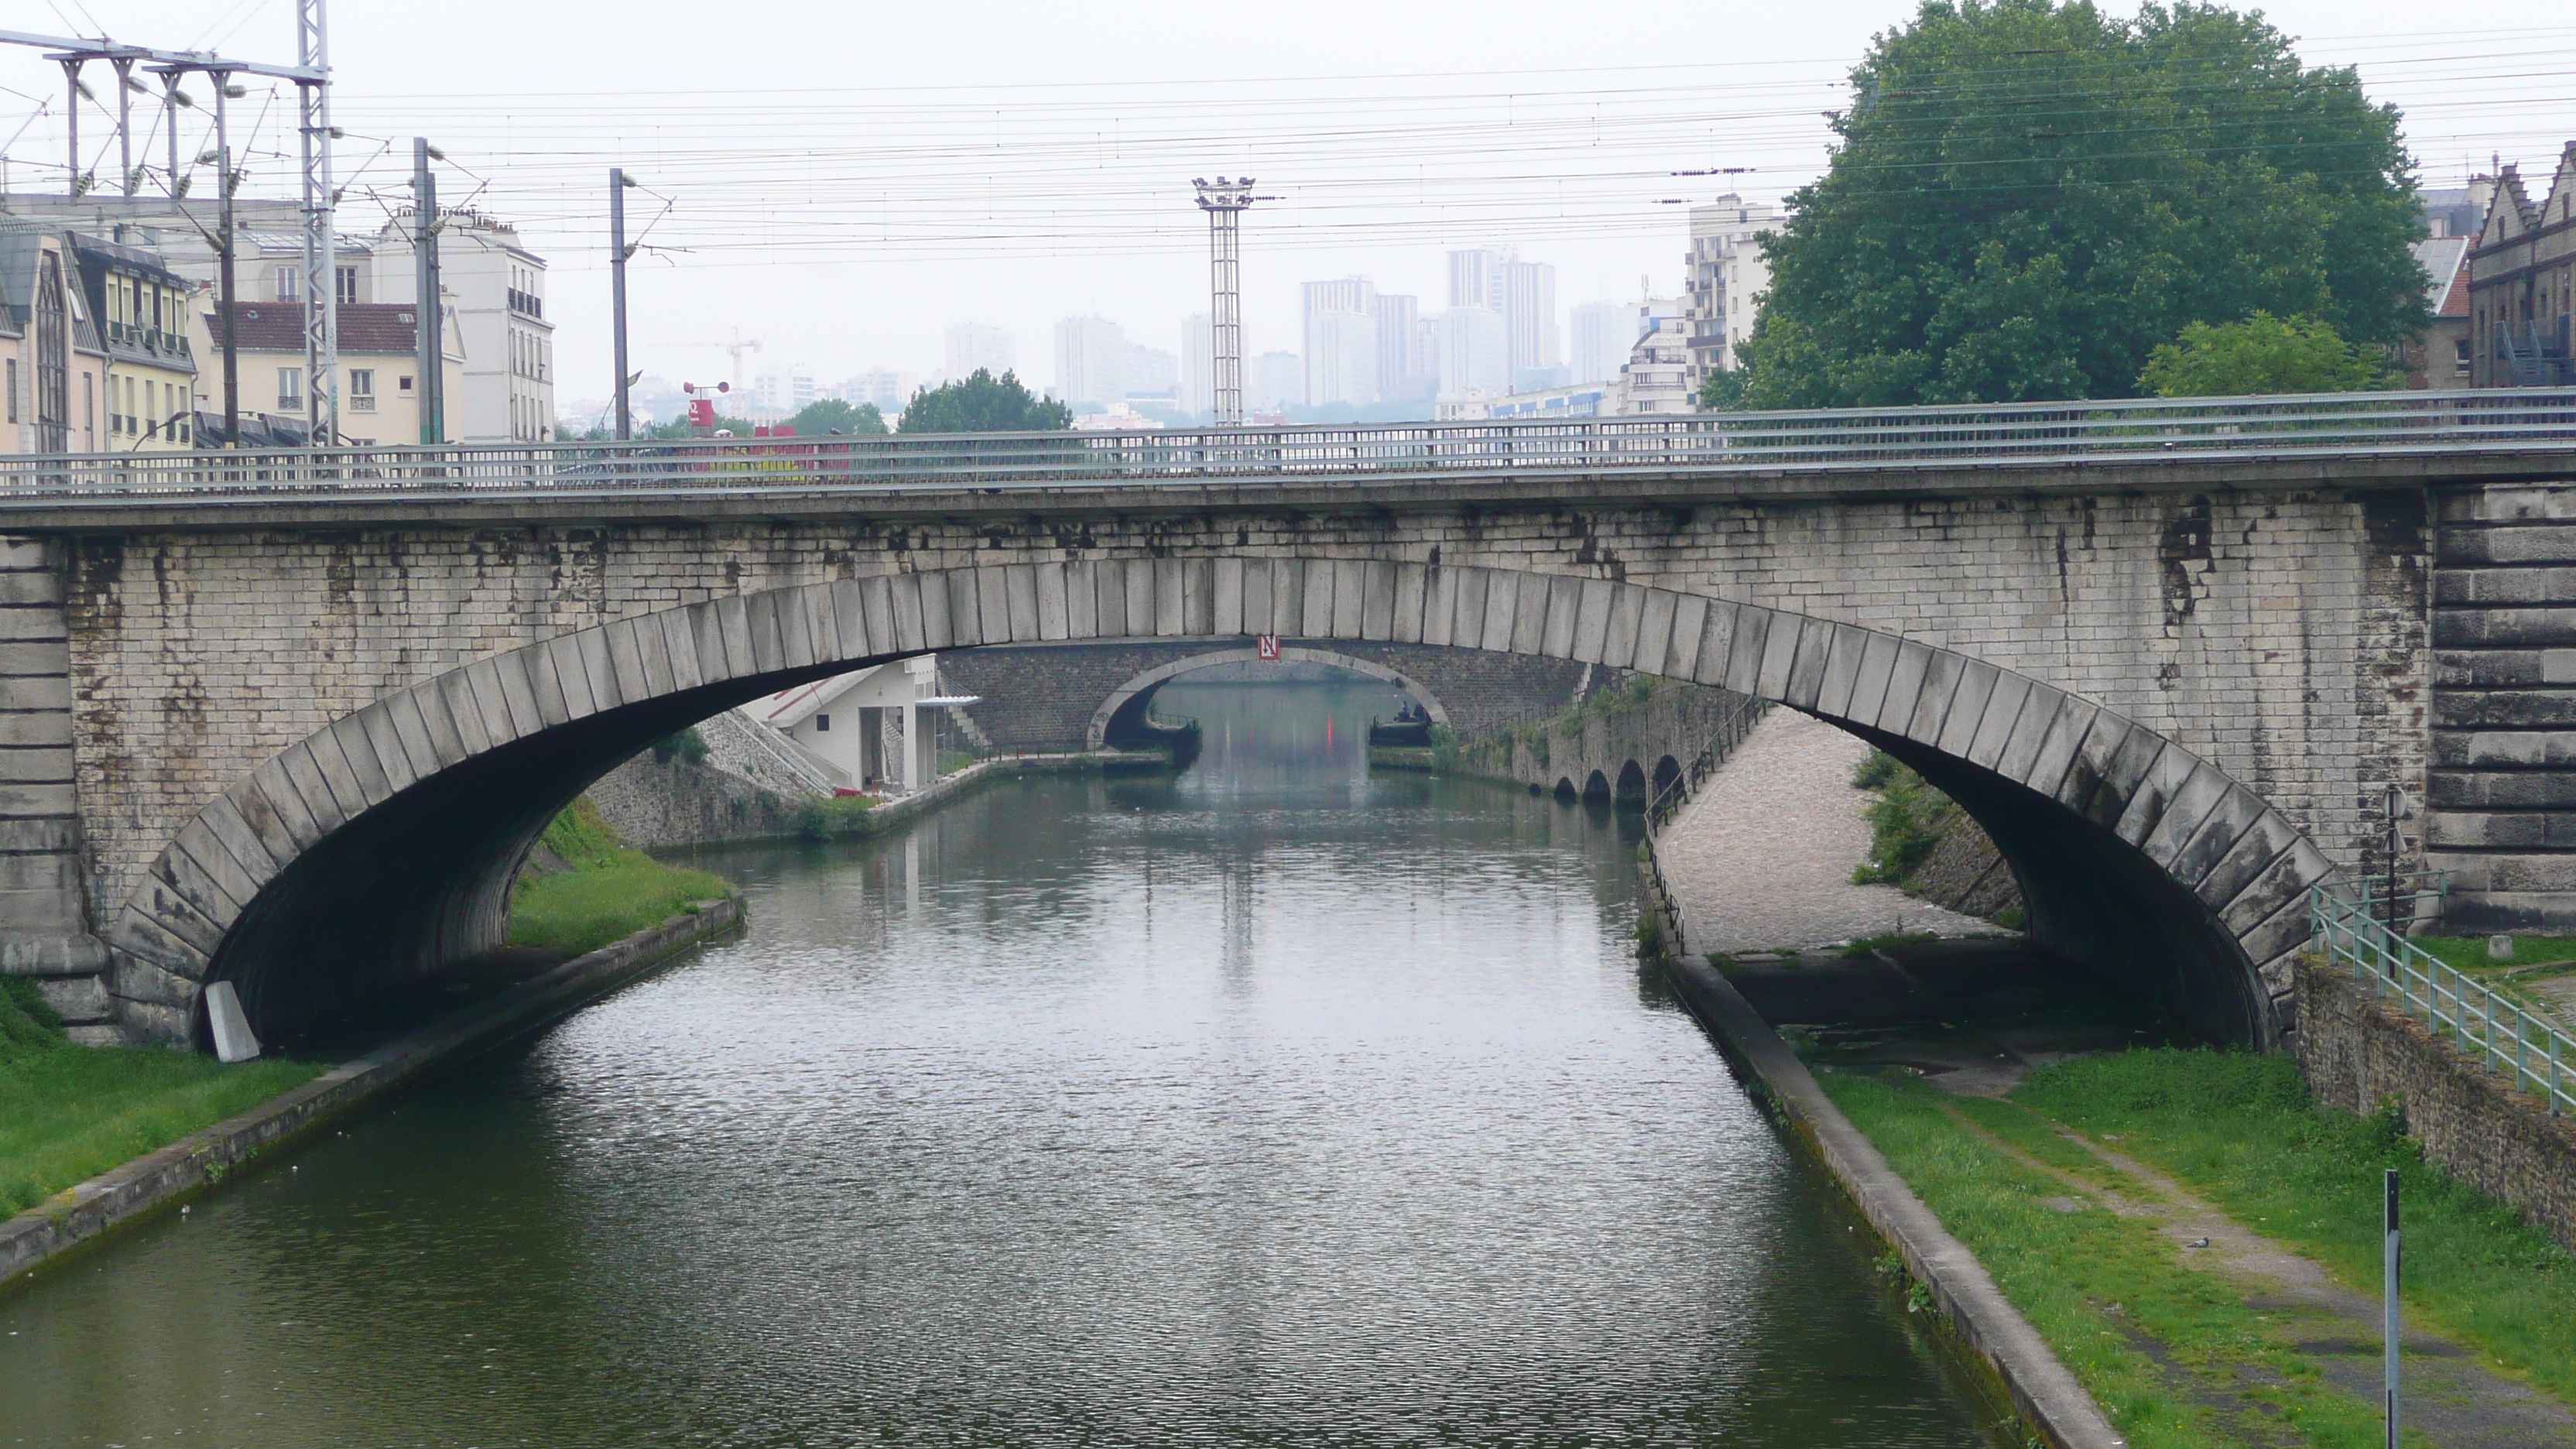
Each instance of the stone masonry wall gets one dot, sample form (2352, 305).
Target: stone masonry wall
(45, 929)
(2278, 634)
(2356, 1054)
(674, 802)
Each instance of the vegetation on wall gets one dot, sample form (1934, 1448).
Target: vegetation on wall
(1905, 822)
(602, 891)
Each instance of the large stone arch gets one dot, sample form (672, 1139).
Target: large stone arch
(384, 844)
(1097, 735)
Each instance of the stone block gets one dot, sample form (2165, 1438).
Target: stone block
(30, 623)
(228, 1025)
(1654, 632)
(1752, 635)
(78, 1000)
(1869, 677)
(2510, 830)
(21, 659)
(599, 670)
(36, 765)
(2238, 814)
(148, 1022)
(33, 586)
(55, 871)
(1619, 638)
(2505, 709)
(20, 553)
(2528, 544)
(991, 617)
(20, 801)
(2488, 586)
(50, 953)
(49, 694)
(1590, 635)
(2184, 813)
(2512, 749)
(43, 835)
(1377, 601)
(1807, 669)
(2457, 628)
(2518, 789)
(45, 910)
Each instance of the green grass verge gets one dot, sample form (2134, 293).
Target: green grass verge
(2469, 953)
(2240, 1129)
(2096, 1286)
(609, 893)
(69, 1113)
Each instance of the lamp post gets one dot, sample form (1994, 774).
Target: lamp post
(1225, 202)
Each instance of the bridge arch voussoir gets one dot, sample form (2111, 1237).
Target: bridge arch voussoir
(385, 844)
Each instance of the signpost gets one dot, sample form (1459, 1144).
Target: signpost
(2388, 1291)
(1270, 648)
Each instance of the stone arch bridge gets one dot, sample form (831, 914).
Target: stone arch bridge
(301, 739)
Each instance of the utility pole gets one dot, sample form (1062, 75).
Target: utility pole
(433, 348)
(321, 243)
(1225, 202)
(71, 114)
(617, 253)
(125, 122)
(224, 253)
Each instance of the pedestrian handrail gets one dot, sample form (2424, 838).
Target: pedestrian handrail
(2504, 420)
(2529, 1051)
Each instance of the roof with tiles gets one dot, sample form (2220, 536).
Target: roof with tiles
(365, 327)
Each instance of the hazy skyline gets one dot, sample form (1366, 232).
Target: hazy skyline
(845, 191)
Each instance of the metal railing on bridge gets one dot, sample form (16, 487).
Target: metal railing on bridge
(2351, 919)
(1870, 439)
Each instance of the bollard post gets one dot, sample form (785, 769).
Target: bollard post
(2388, 1293)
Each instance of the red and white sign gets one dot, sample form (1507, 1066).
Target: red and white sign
(1270, 647)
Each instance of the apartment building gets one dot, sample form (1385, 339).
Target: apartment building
(497, 288)
(380, 389)
(53, 351)
(1724, 279)
(2522, 284)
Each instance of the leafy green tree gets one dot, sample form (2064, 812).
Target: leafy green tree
(1722, 391)
(2263, 353)
(830, 414)
(2028, 197)
(983, 403)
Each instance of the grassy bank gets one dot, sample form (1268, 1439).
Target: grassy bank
(588, 888)
(2240, 1129)
(2176, 1355)
(68, 1112)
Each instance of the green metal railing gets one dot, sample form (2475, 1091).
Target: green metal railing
(2352, 920)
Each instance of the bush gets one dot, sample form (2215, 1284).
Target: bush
(835, 818)
(1904, 822)
(687, 745)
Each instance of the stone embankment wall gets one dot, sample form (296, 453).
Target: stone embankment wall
(45, 926)
(677, 802)
(2357, 1054)
(1629, 726)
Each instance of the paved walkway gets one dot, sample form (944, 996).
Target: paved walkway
(1763, 857)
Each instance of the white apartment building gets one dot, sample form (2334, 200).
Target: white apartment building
(1657, 380)
(1408, 352)
(1725, 277)
(1650, 383)
(1341, 358)
(500, 322)
(888, 389)
(1602, 335)
(1198, 363)
(1150, 374)
(1475, 352)
(1090, 362)
(1274, 382)
(974, 346)
(782, 390)
(1529, 319)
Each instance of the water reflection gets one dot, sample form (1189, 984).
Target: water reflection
(1277, 1103)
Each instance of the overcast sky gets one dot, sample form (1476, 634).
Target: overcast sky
(842, 182)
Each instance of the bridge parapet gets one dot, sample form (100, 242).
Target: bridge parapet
(2427, 432)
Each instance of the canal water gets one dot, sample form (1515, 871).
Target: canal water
(1272, 1103)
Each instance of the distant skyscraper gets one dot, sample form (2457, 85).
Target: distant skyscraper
(1198, 363)
(1529, 320)
(1405, 369)
(1475, 353)
(1341, 358)
(1150, 372)
(1090, 362)
(1329, 378)
(973, 345)
(1603, 333)
(1476, 278)
(1277, 382)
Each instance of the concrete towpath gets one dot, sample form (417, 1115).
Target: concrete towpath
(1762, 857)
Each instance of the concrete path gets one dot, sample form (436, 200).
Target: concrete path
(1763, 857)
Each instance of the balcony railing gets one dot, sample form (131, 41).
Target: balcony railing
(2526, 422)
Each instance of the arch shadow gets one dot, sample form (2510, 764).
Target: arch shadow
(384, 845)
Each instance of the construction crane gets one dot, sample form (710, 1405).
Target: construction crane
(737, 347)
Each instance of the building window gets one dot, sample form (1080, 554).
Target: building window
(290, 389)
(13, 389)
(290, 284)
(362, 389)
(822, 724)
(348, 280)
(402, 384)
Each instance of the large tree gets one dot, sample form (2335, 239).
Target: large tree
(2028, 198)
(982, 403)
